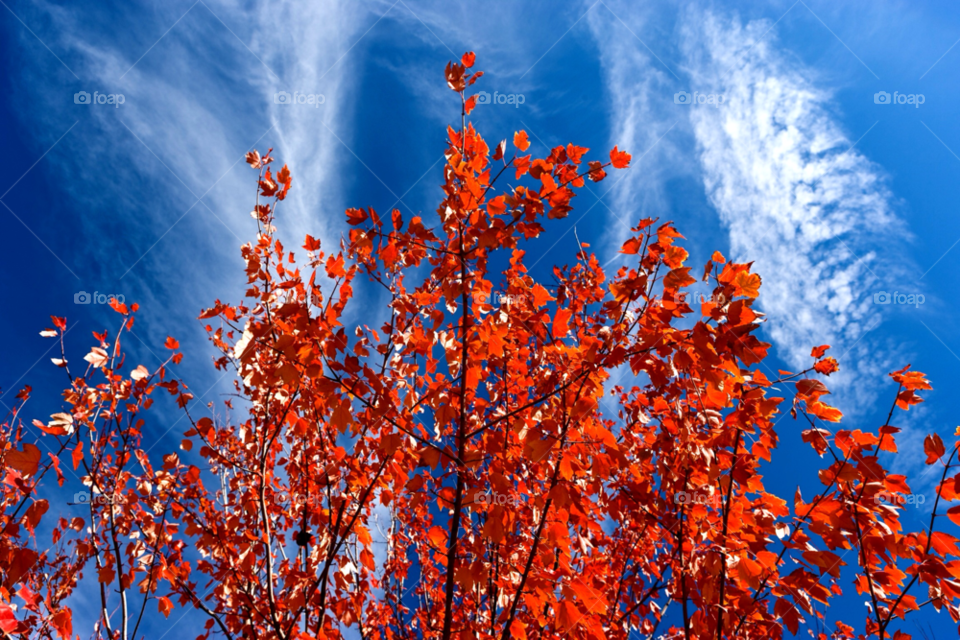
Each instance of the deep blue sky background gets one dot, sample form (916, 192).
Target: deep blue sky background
(105, 199)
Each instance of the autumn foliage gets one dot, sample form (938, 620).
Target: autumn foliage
(473, 467)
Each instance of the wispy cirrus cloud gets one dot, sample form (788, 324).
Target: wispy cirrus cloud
(163, 171)
(795, 193)
(790, 188)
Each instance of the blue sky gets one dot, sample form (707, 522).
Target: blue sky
(836, 191)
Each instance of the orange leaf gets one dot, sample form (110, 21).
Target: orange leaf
(62, 621)
(678, 278)
(944, 544)
(631, 247)
(954, 514)
(567, 616)
(493, 529)
(26, 462)
(560, 322)
(536, 449)
(540, 296)
(77, 455)
(747, 284)
(438, 537)
(619, 159)
(933, 447)
(342, 415)
(520, 140)
(356, 216)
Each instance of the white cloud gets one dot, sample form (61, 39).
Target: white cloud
(797, 197)
(639, 81)
(792, 192)
(196, 99)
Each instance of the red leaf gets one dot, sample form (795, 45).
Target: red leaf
(438, 537)
(560, 322)
(826, 366)
(747, 284)
(164, 606)
(500, 150)
(619, 159)
(77, 455)
(567, 616)
(819, 351)
(954, 514)
(35, 512)
(454, 75)
(933, 447)
(8, 620)
(520, 140)
(356, 216)
(62, 621)
(631, 246)
(119, 307)
(944, 544)
(26, 462)
(540, 296)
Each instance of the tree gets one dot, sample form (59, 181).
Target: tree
(470, 469)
